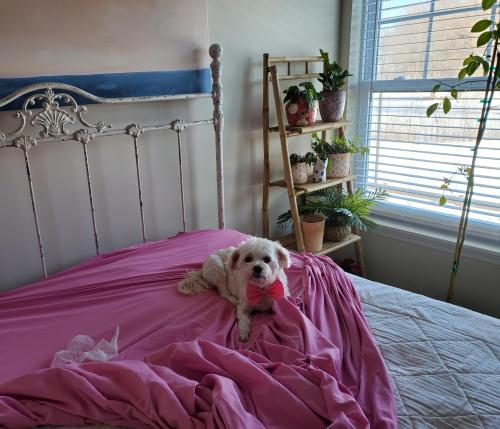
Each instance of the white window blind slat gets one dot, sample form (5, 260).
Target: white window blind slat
(406, 47)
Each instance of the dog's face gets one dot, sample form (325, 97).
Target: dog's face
(260, 260)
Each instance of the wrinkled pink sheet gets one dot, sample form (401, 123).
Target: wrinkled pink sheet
(180, 362)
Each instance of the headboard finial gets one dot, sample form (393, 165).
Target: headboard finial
(215, 51)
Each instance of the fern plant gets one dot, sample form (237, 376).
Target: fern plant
(341, 208)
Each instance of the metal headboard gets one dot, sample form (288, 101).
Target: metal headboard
(60, 110)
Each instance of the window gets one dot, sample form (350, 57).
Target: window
(407, 44)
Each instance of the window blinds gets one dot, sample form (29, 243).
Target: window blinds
(409, 45)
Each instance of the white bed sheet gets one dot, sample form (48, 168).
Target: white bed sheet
(444, 360)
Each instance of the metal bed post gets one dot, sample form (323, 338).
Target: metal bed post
(216, 67)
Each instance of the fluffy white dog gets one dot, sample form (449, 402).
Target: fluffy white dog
(249, 276)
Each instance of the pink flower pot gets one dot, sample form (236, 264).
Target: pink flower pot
(299, 114)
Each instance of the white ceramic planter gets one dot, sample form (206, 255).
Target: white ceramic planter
(319, 171)
(339, 165)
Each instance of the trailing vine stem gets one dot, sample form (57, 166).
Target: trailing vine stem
(464, 219)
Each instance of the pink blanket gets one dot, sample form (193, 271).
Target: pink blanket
(180, 362)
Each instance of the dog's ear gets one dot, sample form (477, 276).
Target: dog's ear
(234, 259)
(283, 255)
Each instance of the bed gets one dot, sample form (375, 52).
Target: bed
(179, 361)
(443, 360)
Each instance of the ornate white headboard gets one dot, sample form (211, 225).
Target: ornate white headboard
(50, 113)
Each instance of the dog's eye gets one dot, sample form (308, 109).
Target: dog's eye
(248, 259)
(266, 259)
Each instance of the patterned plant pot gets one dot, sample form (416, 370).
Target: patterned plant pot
(313, 230)
(339, 165)
(299, 173)
(299, 114)
(331, 107)
(337, 233)
(319, 171)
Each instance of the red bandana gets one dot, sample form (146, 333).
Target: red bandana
(255, 293)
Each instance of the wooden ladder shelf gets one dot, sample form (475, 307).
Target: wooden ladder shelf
(295, 241)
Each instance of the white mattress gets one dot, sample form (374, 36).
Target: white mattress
(444, 360)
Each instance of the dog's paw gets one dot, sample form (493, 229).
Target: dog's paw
(232, 299)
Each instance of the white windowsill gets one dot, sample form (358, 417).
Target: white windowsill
(443, 240)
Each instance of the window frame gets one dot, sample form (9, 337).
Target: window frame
(398, 214)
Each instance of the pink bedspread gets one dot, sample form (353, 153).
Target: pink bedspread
(180, 362)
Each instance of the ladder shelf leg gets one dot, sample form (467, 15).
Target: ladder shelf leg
(265, 134)
(287, 169)
(358, 247)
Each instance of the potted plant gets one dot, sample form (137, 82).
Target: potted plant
(332, 104)
(313, 231)
(299, 165)
(322, 149)
(339, 155)
(312, 226)
(342, 210)
(301, 104)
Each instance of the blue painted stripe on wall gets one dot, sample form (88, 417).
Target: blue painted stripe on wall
(116, 85)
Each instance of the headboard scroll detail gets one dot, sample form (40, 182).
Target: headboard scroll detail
(57, 116)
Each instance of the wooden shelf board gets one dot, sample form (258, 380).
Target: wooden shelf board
(328, 246)
(308, 129)
(298, 76)
(312, 187)
(311, 59)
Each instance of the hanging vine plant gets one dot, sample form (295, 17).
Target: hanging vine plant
(489, 65)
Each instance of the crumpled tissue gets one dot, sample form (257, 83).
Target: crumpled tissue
(83, 348)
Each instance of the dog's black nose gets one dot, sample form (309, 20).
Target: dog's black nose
(257, 269)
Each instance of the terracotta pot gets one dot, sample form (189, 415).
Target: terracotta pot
(339, 165)
(313, 230)
(337, 233)
(331, 107)
(299, 114)
(299, 173)
(319, 171)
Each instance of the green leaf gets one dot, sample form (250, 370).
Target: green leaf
(487, 4)
(471, 68)
(480, 26)
(484, 38)
(431, 109)
(446, 105)
(442, 201)
(462, 73)
(454, 93)
(435, 88)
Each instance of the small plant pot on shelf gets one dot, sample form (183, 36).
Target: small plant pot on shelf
(332, 105)
(319, 171)
(339, 165)
(299, 173)
(313, 231)
(299, 114)
(337, 233)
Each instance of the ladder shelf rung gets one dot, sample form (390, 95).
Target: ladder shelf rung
(312, 187)
(328, 246)
(314, 128)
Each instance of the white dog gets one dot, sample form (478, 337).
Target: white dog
(249, 277)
